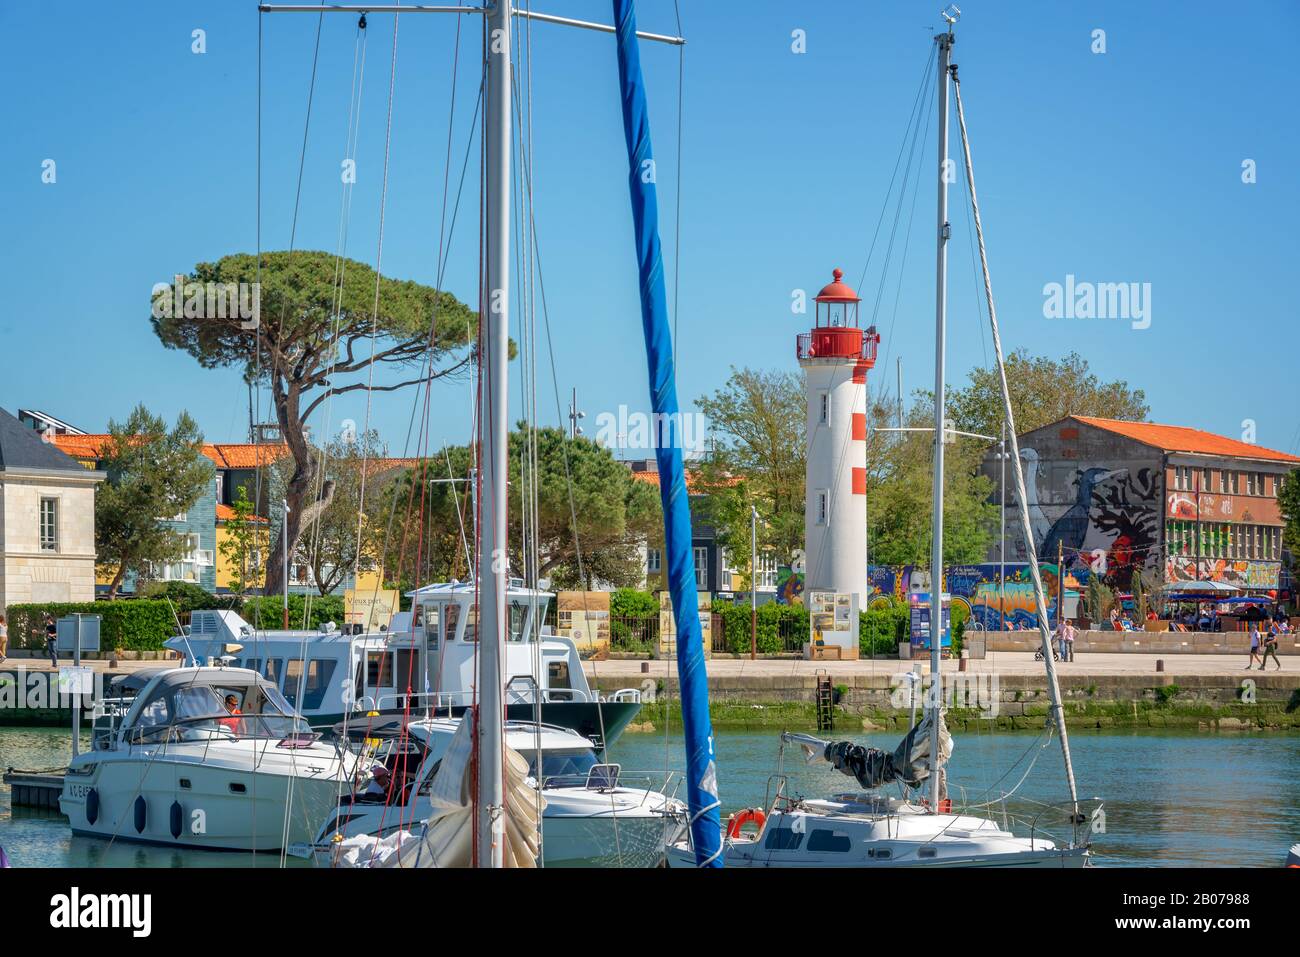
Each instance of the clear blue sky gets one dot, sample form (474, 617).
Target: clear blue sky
(1119, 167)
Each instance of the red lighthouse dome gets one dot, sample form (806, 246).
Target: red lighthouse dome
(837, 290)
(835, 334)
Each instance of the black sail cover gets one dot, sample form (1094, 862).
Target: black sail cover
(908, 763)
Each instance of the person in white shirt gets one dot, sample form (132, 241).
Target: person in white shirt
(379, 781)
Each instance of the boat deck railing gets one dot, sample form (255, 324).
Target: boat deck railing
(446, 701)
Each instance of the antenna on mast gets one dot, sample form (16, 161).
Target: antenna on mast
(951, 14)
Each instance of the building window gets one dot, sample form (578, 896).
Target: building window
(766, 577)
(1223, 481)
(653, 561)
(1250, 483)
(825, 414)
(1205, 480)
(823, 506)
(701, 568)
(49, 524)
(1234, 481)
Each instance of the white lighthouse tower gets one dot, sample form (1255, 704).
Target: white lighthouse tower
(835, 355)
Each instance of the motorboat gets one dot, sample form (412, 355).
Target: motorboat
(172, 763)
(594, 814)
(422, 663)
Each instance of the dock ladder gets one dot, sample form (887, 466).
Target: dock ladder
(825, 701)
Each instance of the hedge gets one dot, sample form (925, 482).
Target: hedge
(880, 630)
(143, 624)
(138, 624)
(323, 608)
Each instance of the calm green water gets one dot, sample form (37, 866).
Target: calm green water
(1172, 799)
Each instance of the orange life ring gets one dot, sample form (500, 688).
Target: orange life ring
(751, 815)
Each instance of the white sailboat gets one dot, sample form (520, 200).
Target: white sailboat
(868, 828)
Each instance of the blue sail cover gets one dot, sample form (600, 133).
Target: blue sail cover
(701, 771)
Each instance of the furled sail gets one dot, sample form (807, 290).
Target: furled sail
(446, 839)
(701, 770)
(909, 763)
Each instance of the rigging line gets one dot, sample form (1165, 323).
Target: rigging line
(1018, 469)
(379, 264)
(974, 274)
(911, 121)
(921, 136)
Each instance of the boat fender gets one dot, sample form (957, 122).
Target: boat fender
(751, 815)
(176, 816)
(4, 858)
(92, 806)
(140, 809)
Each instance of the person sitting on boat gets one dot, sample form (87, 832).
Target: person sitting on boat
(380, 779)
(232, 708)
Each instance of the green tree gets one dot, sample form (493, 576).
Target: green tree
(153, 474)
(322, 325)
(345, 531)
(900, 496)
(761, 419)
(1043, 390)
(616, 515)
(1288, 499)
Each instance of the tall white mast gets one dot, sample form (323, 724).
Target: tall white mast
(945, 42)
(493, 439)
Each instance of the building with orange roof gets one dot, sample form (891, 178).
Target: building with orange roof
(1178, 503)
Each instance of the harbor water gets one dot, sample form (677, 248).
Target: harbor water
(1171, 798)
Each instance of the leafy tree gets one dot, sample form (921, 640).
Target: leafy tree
(900, 496)
(153, 474)
(346, 530)
(761, 417)
(246, 537)
(1288, 498)
(616, 514)
(1043, 390)
(321, 322)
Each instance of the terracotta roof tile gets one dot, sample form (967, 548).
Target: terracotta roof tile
(226, 513)
(1178, 438)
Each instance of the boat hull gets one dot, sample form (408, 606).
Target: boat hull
(222, 808)
(679, 855)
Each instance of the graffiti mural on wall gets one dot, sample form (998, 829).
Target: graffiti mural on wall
(1104, 519)
(978, 586)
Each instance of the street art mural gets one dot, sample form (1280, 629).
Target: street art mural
(977, 587)
(1104, 519)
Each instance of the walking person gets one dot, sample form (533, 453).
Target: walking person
(1067, 641)
(51, 640)
(1254, 646)
(4, 639)
(1270, 647)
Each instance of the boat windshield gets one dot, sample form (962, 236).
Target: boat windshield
(197, 712)
(567, 768)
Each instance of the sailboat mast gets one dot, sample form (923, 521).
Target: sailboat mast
(493, 438)
(945, 42)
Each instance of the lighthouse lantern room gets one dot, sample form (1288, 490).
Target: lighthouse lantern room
(835, 356)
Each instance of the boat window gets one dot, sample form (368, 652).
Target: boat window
(471, 623)
(431, 633)
(572, 765)
(252, 664)
(319, 673)
(782, 839)
(518, 616)
(880, 853)
(557, 673)
(292, 678)
(274, 670)
(453, 616)
(379, 670)
(405, 676)
(824, 840)
(926, 852)
(155, 712)
(197, 702)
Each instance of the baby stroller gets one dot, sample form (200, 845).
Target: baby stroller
(1038, 655)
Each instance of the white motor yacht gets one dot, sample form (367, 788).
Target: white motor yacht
(173, 765)
(594, 814)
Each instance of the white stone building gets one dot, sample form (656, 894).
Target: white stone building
(47, 520)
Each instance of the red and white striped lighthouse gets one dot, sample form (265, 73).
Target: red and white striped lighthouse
(835, 355)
